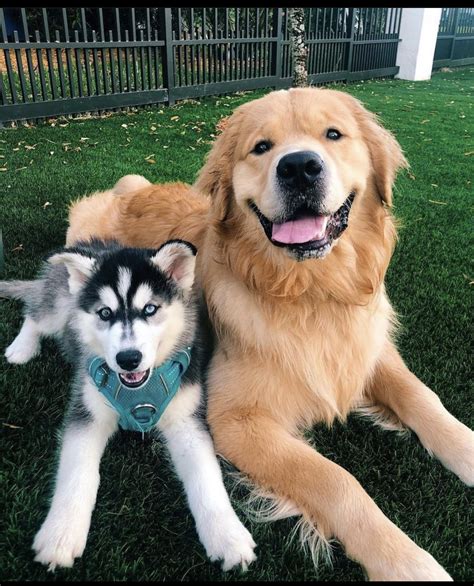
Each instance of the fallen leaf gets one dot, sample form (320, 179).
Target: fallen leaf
(440, 203)
(47, 203)
(12, 426)
(18, 248)
(424, 121)
(434, 185)
(174, 118)
(150, 161)
(469, 154)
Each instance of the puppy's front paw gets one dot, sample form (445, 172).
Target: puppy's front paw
(228, 540)
(21, 351)
(58, 542)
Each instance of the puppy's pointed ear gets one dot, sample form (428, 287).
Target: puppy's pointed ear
(79, 266)
(177, 259)
(385, 151)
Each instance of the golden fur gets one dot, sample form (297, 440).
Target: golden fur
(298, 342)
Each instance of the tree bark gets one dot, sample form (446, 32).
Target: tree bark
(298, 47)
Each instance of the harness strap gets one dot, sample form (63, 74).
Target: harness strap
(141, 408)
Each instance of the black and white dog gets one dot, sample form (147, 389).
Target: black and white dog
(128, 319)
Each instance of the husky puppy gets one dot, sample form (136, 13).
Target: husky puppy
(127, 318)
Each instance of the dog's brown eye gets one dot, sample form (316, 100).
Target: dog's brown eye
(333, 134)
(262, 147)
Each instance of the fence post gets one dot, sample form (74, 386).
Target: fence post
(168, 60)
(418, 34)
(351, 42)
(455, 28)
(277, 46)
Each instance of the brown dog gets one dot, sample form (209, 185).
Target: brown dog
(290, 216)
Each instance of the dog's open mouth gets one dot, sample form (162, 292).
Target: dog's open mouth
(134, 379)
(307, 234)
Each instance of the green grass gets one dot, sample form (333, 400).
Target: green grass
(141, 528)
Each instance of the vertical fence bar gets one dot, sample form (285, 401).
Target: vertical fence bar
(49, 59)
(351, 38)
(31, 71)
(112, 62)
(191, 48)
(142, 60)
(127, 62)
(168, 60)
(85, 52)
(148, 37)
(39, 59)
(119, 49)
(456, 20)
(216, 46)
(59, 60)
(103, 51)
(68, 55)
(134, 50)
(78, 64)
(157, 53)
(19, 65)
(96, 65)
(179, 49)
(277, 45)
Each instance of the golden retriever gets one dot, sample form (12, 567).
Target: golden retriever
(291, 218)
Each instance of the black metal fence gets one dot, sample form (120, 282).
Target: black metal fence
(57, 61)
(455, 43)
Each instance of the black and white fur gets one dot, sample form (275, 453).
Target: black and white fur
(73, 286)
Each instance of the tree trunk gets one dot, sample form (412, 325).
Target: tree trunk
(298, 47)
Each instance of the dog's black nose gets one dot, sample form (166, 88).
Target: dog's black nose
(129, 359)
(300, 169)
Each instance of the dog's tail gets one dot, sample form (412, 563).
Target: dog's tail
(22, 290)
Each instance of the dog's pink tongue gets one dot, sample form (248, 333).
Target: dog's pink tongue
(300, 231)
(133, 377)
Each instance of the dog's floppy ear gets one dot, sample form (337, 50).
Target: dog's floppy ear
(385, 151)
(80, 268)
(215, 178)
(177, 259)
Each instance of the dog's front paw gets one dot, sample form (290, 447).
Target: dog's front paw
(59, 542)
(228, 540)
(21, 351)
(414, 564)
(462, 455)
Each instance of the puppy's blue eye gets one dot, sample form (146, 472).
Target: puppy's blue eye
(333, 134)
(262, 147)
(150, 309)
(105, 313)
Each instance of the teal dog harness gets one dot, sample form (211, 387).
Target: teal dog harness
(140, 408)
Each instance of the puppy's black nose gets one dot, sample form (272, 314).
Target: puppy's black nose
(300, 169)
(129, 359)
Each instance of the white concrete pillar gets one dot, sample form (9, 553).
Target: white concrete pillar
(418, 32)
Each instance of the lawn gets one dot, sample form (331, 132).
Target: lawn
(141, 528)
